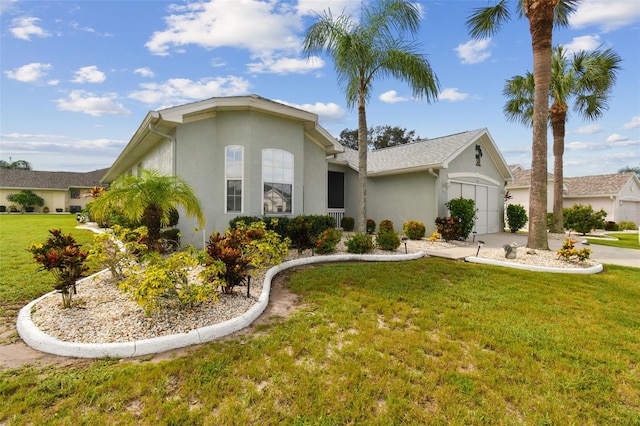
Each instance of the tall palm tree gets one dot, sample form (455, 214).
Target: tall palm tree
(372, 48)
(148, 199)
(542, 15)
(586, 78)
(18, 164)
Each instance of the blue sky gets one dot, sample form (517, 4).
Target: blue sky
(78, 77)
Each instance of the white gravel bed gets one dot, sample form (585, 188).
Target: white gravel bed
(101, 313)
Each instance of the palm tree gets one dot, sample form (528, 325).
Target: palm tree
(542, 15)
(19, 164)
(585, 77)
(148, 199)
(372, 48)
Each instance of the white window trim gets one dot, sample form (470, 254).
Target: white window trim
(293, 167)
(227, 179)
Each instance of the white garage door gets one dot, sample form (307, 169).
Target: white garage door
(487, 203)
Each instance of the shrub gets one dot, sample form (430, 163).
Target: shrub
(611, 226)
(170, 239)
(61, 255)
(387, 239)
(328, 240)
(247, 220)
(299, 231)
(582, 218)
(516, 217)
(465, 210)
(26, 198)
(360, 243)
(549, 220)
(413, 229)
(347, 223)
(449, 228)
(628, 226)
(319, 223)
(435, 237)
(568, 251)
(117, 251)
(170, 279)
(386, 224)
(370, 226)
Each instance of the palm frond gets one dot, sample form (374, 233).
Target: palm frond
(486, 21)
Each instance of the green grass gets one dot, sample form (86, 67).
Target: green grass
(431, 341)
(623, 240)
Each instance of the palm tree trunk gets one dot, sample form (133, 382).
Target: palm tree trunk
(540, 14)
(558, 119)
(362, 167)
(152, 218)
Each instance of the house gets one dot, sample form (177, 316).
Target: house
(618, 194)
(250, 156)
(61, 191)
(414, 181)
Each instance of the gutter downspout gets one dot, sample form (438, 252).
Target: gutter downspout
(173, 146)
(436, 190)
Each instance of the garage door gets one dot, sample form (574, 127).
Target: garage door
(486, 198)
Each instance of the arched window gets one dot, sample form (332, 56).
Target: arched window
(233, 173)
(277, 178)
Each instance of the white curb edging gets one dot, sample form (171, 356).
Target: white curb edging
(591, 270)
(36, 339)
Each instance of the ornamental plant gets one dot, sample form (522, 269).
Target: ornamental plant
(464, 209)
(435, 237)
(516, 217)
(413, 229)
(328, 240)
(386, 224)
(360, 243)
(299, 230)
(62, 256)
(233, 254)
(581, 218)
(371, 226)
(449, 228)
(569, 252)
(118, 251)
(387, 239)
(347, 223)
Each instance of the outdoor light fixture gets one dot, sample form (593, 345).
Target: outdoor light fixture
(480, 244)
(474, 237)
(404, 240)
(249, 269)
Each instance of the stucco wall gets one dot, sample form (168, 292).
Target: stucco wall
(54, 199)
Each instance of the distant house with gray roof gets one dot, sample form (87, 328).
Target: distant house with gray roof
(250, 156)
(618, 194)
(61, 191)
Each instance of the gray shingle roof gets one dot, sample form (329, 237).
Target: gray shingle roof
(424, 153)
(34, 179)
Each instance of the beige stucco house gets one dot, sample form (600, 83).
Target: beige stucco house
(618, 194)
(250, 156)
(61, 191)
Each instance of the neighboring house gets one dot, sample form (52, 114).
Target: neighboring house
(61, 191)
(618, 194)
(414, 181)
(249, 156)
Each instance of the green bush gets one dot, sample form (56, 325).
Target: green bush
(360, 243)
(26, 198)
(628, 226)
(347, 223)
(371, 226)
(449, 228)
(320, 223)
(581, 218)
(516, 217)
(569, 252)
(465, 210)
(413, 229)
(549, 220)
(247, 220)
(118, 251)
(170, 238)
(299, 231)
(328, 240)
(387, 239)
(386, 224)
(611, 226)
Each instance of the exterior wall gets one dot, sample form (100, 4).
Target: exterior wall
(160, 158)
(399, 198)
(53, 199)
(315, 179)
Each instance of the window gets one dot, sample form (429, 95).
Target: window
(233, 171)
(75, 193)
(277, 178)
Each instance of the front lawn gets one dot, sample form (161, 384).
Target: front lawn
(431, 341)
(623, 240)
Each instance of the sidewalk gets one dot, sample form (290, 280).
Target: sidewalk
(603, 254)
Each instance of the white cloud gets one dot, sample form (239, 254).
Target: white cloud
(26, 26)
(329, 112)
(177, 91)
(588, 129)
(587, 43)
(89, 74)
(611, 142)
(77, 26)
(286, 65)
(29, 73)
(617, 138)
(145, 72)
(338, 7)
(474, 51)
(88, 103)
(391, 97)
(635, 122)
(257, 26)
(608, 15)
(7, 5)
(452, 94)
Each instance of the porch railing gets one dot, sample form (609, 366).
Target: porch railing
(337, 214)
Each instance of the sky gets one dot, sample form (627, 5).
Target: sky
(78, 77)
